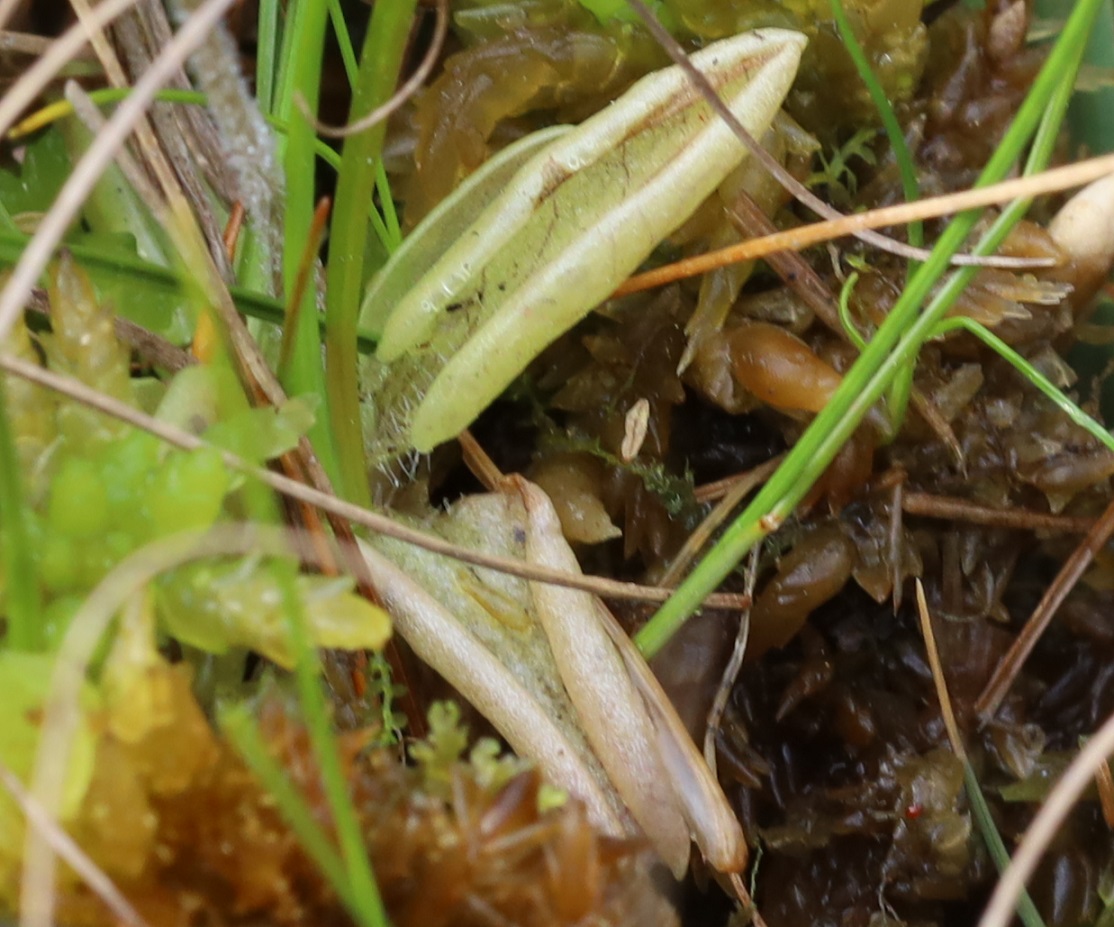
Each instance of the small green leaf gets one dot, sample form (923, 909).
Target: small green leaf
(218, 607)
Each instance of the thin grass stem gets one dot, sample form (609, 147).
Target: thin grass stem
(902, 388)
(368, 911)
(305, 374)
(904, 158)
(240, 728)
(980, 810)
(380, 62)
(344, 41)
(267, 53)
(1039, 380)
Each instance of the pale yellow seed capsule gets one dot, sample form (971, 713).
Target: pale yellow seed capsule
(574, 221)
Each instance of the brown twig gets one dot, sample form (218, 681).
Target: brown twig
(895, 541)
(1050, 181)
(953, 508)
(788, 182)
(748, 219)
(151, 348)
(477, 460)
(1010, 665)
(938, 680)
(296, 298)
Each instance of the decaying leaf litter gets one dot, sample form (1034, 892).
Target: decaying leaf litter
(832, 746)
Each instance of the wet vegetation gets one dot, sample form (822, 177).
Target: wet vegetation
(210, 781)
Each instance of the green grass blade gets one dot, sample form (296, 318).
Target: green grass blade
(386, 226)
(239, 727)
(893, 346)
(379, 67)
(369, 910)
(268, 49)
(902, 388)
(1089, 115)
(984, 821)
(283, 97)
(845, 319)
(393, 237)
(344, 41)
(305, 374)
(909, 185)
(162, 281)
(1039, 380)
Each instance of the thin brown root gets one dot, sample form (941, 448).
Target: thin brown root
(66, 48)
(895, 542)
(296, 300)
(745, 900)
(232, 229)
(711, 492)
(731, 671)
(1050, 181)
(1010, 665)
(793, 269)
(149, 347)
(479, 462)
(953, 508)
(96, 159)
(169, 188)
(328, 502)
(730, 492)
(938, 680)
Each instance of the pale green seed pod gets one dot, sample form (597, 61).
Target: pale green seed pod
(574, 221)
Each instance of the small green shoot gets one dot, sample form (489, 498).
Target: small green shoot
(307, 675)
(298, 101)
(836, 173)
(360, 175)
(902, 387)
(845, 318)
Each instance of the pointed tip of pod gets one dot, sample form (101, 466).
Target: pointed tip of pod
(671, 157)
